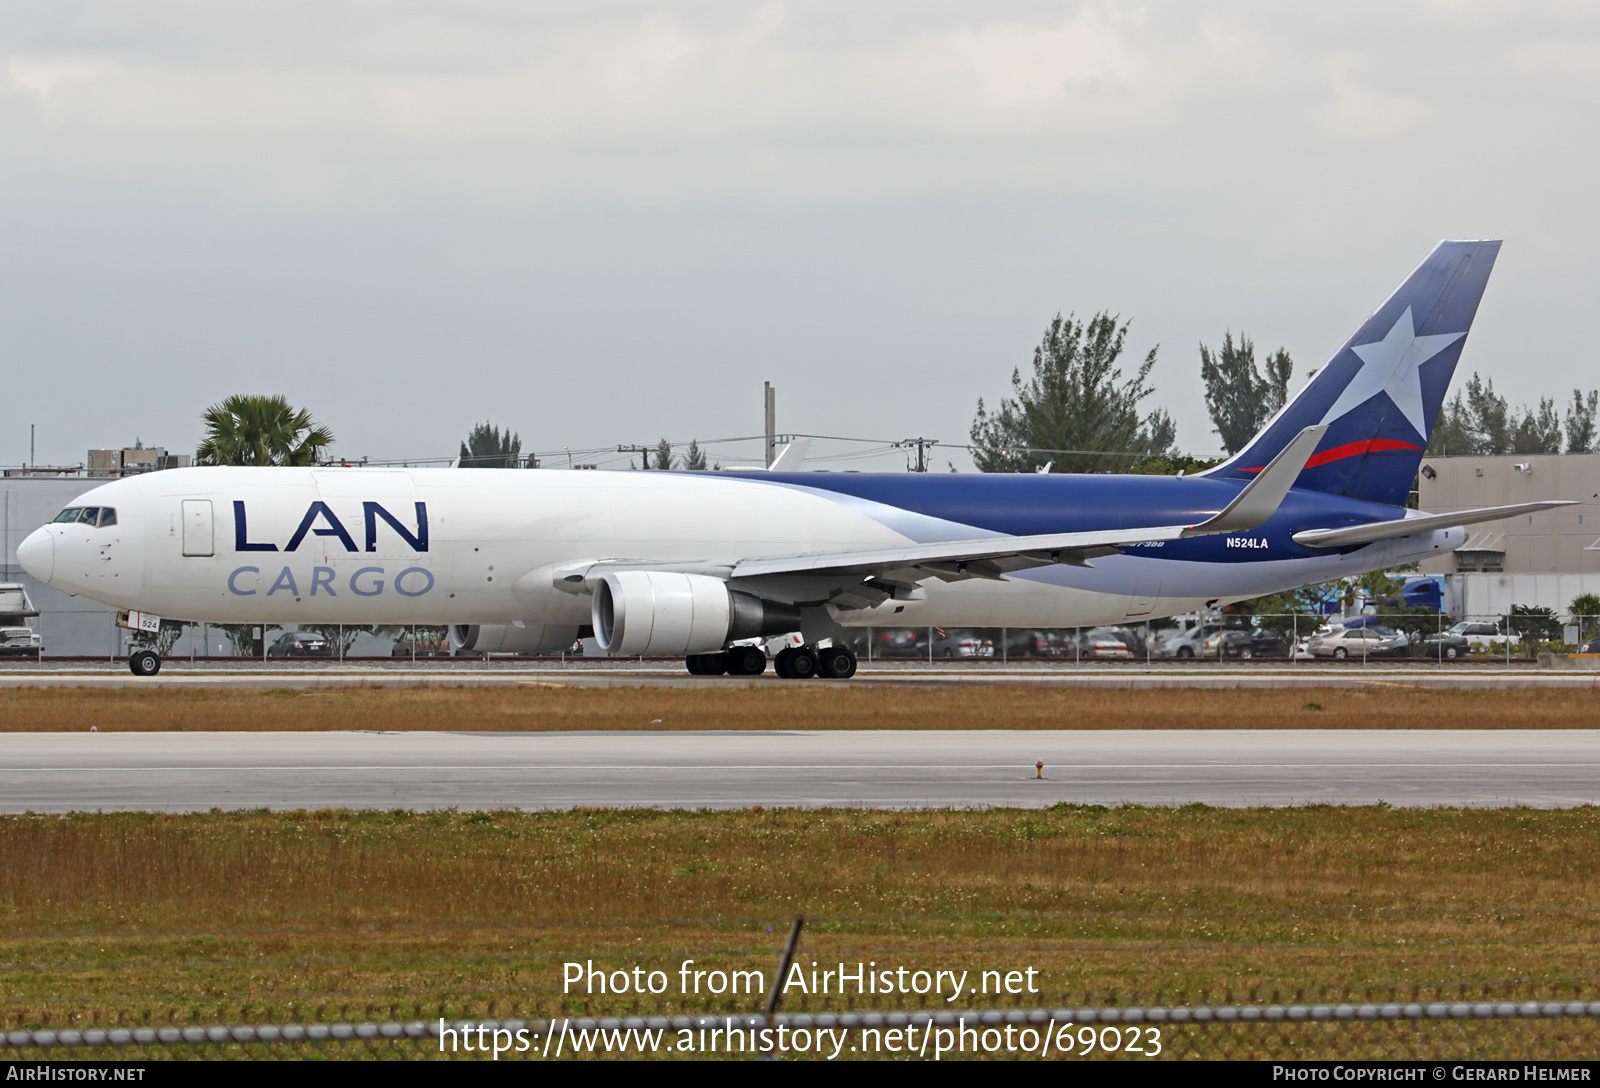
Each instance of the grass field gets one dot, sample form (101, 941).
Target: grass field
(543, 706)
(261, 917)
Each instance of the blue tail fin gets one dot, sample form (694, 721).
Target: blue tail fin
(1380, 394)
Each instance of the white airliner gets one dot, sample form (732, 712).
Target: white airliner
(703, 564)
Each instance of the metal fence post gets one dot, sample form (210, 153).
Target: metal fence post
(930, 647)
(1005, 658)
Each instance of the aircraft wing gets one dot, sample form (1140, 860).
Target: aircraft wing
(989, 557)
(870, 575)
(1385, 530)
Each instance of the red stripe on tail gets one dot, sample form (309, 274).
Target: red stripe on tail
(1352, 449)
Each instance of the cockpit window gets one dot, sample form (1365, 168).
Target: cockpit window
(108, 516)
(70, 513)
(90, 515)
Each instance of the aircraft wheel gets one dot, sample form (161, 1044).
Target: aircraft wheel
(692, 663)
(713, 664)
(836, 664)
(1341, 653)
(746, 661)
(780, 663)
(144, 663)
(802, 663)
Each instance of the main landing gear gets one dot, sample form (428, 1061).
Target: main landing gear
(803, 662)
(794, 663)
(144, 663)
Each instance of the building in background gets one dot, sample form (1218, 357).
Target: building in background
(133, 459)
(1541, 560)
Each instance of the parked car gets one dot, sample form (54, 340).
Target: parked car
(1246, 644)
(961, 644)
(1104, 644)
(1373, 641)
(299, 644)
(1480, 633)
(1447, 645)
(1187, 643)
(901, 642)
(1032, 644)
(425, 647)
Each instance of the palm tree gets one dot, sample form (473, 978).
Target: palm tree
(246, 429)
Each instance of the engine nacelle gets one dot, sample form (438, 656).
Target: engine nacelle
(507, 638)
(666, 614)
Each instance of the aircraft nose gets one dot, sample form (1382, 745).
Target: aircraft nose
(37, 554)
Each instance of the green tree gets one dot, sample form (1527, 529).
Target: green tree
(660, 457)
(1581, 431)
(1533, 625)
(1538, 430)
(1240, 397)
(243, 636)
(343, 636)
(247, 429)
(487, 447)
(1075, 406)
(1170, 464)
(1585, 611)
(694, 458)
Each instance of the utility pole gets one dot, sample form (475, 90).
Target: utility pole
(32, 462)
(923, 445)
(771, 398)
(642, 451)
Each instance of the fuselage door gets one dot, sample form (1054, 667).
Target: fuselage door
(199, 537)
(1146, 591)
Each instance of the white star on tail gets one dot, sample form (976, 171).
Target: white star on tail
(1392, 366)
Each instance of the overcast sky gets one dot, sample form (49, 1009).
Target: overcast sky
(608, 222)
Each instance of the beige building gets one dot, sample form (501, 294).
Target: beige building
(1543, 560)
(1564, 541)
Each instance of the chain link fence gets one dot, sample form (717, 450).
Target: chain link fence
(1427, 1030)
(1412, 638)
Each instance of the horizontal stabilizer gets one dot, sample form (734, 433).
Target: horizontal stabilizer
(792, 456)
(1263, 495)
(1386, 530)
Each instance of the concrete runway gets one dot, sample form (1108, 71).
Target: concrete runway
(55, 772)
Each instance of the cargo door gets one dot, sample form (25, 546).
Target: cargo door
(199, 536)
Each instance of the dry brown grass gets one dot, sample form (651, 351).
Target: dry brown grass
(264, 916)
(544, 707)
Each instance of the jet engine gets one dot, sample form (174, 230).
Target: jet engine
(665, 614)
(506, 638)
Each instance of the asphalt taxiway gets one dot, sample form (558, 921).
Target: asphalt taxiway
(465, 673)
(54, 772)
